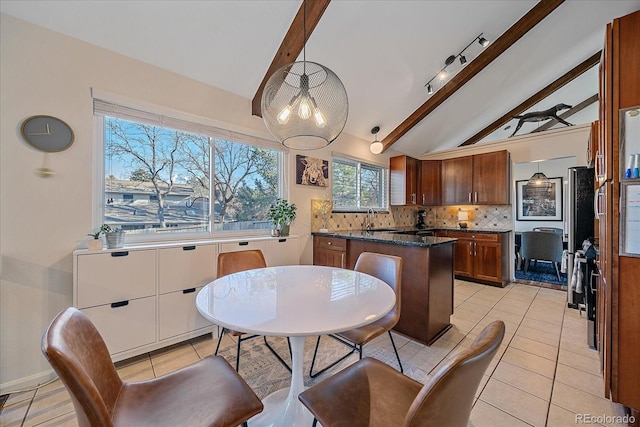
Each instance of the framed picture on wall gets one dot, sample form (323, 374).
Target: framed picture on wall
(312, 171)
(539, 203)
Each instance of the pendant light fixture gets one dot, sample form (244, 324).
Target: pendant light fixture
(539, 180)
(304, 104)
(376, 146)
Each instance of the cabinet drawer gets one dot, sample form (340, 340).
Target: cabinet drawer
(185, 267)
(115, 276)
(126, 327)
(333, 243)
(487, 237)
(177, 313)
(242, 245)
(281, 251)
(459, 234)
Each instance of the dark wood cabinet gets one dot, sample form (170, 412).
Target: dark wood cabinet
(481, 256)
(618, 291)
(329, 251)
(482, 179)
(404, 180)
(430, 183)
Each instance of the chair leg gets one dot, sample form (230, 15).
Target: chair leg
(315, 422)
(315, 353)
(555, 264)
(238, 355)
(275, 353)
(396, 351)
(220, 340)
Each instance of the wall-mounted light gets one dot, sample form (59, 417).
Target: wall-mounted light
(443, 74)
(376, 146)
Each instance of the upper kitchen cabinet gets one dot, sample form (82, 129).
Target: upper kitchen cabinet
(430, 183)
(481, 179)
(404, 180)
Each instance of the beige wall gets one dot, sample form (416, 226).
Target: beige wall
(43, 220)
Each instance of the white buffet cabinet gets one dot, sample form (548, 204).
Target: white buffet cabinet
(142, 298)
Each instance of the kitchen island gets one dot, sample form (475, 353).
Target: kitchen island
(427, 274)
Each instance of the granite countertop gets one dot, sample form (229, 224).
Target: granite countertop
(396, 236)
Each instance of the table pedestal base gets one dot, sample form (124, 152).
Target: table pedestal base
(282, 408)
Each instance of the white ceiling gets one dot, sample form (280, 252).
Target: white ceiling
(384, 51)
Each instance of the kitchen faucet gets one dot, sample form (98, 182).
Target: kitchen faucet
(367, 219)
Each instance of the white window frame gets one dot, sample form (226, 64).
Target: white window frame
(359, 163)
(162, 116)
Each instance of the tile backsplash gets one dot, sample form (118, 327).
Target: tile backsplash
(484, 217)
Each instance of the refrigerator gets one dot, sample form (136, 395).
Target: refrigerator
(580, 219)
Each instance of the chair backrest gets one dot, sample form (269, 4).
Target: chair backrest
(233, 262)
(77, 353)
(447, 398)
(541, 245)
(387, 268)
(549, 229)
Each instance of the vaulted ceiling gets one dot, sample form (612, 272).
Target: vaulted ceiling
(384, 51)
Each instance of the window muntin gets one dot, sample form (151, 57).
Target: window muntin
(161, 179)
(358, 186)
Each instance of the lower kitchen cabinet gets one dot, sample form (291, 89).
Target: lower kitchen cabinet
(481, 256)
(329, 251)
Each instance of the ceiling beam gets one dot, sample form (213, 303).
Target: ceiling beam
(291, 45)
(495, 49)
(570, 112)
(533, 100)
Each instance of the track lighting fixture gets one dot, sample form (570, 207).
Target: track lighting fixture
(376, 146)
(443, 74)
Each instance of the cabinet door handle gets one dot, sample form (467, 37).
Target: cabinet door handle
(188, 291)
(469, 197)
(282, 240)
(342, 260)
(475, 196)
(121, 253)
(119, 304)
(189, 248)
(243, 243)
(413, 198)
(423, 198)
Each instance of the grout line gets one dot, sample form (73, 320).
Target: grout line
(555, 369)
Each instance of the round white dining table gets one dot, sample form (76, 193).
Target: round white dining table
(294, 301)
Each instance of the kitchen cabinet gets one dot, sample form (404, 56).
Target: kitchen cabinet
(481, 179)
(481, 256)
(329, 251)
(403, 181)
(617, 316)
(430, 183)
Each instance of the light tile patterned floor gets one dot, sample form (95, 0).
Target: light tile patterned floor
(543, 375)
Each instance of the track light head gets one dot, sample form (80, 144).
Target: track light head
(429, 89)
(463, 60)
(450, 60)
(483, 42)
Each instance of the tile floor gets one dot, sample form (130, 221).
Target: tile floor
(543, 375)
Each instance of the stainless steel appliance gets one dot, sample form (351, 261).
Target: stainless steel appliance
(580, 219)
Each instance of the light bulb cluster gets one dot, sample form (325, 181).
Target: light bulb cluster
(305, 104)
(443, 74)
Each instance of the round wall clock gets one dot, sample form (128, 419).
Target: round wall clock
(47, 133)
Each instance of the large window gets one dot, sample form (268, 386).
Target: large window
(170, 175)
(358, 186)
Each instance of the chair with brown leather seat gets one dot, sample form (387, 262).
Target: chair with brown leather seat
(206, 393)
(387, 268)
(235, 262)
(370, 393)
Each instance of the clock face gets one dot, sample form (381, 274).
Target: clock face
(47, 133)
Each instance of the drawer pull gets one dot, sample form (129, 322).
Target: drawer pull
(282, 240)
(189, 248)
(119, 304)
(243, 243)
(188, 291)
(120, 253)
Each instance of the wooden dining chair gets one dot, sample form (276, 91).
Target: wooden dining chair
(206, 393)
(387, 268)
(235, 262)
(370, 393)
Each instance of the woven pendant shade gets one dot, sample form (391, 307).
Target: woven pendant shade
(304, 106)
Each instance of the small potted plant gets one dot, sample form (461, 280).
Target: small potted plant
(95, 244)
(281, 213)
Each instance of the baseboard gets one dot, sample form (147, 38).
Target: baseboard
(30, 382)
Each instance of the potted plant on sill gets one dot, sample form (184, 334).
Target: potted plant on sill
(281, 213)
(96, 243)
(115, 237)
